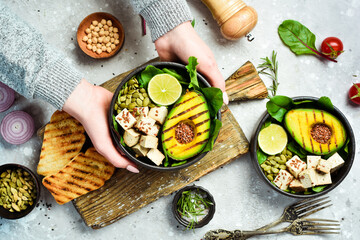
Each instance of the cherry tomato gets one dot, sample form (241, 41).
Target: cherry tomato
(354, 93)
(332, 46)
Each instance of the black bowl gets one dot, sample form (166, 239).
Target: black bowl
(4, 213)
(180, 68)
(336, 177)
(203, 221)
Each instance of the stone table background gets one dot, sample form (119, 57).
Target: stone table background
(245, 202)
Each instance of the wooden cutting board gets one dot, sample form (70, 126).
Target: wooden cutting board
(127, 192)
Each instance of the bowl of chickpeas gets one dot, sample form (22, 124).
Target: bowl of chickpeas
(100, 35)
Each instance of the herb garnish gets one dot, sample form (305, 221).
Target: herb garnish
(191, 205)
(270, 68)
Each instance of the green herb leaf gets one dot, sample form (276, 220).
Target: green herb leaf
(214, 99)
(270, 68)
(319, 188)
(173, 73)
(146, 75)
(214, 131)
(266, 124)
(116, 126)
(296, 149)
(261, 156)
(193, 23)
(277, 106)
(191, 68)
(299, 38)
(325, 102)
(178, 163)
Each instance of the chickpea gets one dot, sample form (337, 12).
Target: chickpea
(108, 49)
(109, 23)
(106, 40)
(108, 44)
(94, 40)
(112, 40)
(102, 33)
(95, 23)
(116, 42)
(98, 51)
(89, 46)
(103, 48)
(112, 46)
(88, 30)
(106, 27)
(106, 33)
(111, 34)
(100, 25)
(98, 45)
(100, 39)
(89, 41)
(85, 38)
(116, 36)
(92, 27)
(96, 29)
(89, 35)
(103, 21)
(111, 29)
(96, 34)
(94, 48)
(115, 30)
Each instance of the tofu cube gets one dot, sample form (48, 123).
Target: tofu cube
(140, 151)
(308, 177)
(336, 162)
(125, 119)
(323, 179)
(141, 112)
(297, 186)
(148, 141)
(283, 179)
(156, 156)
(144, 123)
(295, 166)
(131, 137)
(323, 166)
(159, 114)
(153, 130)
(312, 161)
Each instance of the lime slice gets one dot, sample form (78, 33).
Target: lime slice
(164, 89)
(272, 139)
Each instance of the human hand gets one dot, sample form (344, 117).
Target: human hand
(182, 42)
(89, 104)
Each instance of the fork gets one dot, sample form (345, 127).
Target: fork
(298, 210)
(297, 227)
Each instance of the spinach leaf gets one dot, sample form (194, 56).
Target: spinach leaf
(191, 68)
(214, 97)
(277, 106)
(193, 23)
(299, 38)
(214, 131)
(261, 156)
(297, 149)
(173, 73)
(319, 188)
(116, 126)
(178, 163)
(146, 75)
(266, 124)
(325, 102)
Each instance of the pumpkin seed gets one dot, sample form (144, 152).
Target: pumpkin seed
(132, 105)
(136, 95)
(128, 101)
(141, 96)
(132, 82)
(15, 207)
(126, 90)
(142, 90)
(133, 99)
(138, 101)
(146, 102)
(145, 94)
(3, 175)
(151, 104)
(122, 98)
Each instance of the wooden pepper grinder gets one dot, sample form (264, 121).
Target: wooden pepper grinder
(234, 17)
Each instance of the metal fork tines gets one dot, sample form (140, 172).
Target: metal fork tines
(300, 209)
(313, 227)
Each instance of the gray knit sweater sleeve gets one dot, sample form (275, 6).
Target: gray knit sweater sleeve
(30, 66)
(162, 15)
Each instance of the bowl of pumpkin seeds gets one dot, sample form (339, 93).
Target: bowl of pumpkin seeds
(19, 191)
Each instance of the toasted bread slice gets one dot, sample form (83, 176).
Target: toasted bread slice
(85, 173)
(63, 139)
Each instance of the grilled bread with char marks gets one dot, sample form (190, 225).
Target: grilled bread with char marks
(85, 173)
(63, 139)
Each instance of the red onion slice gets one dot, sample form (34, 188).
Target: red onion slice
(7, 97)
(17, 127)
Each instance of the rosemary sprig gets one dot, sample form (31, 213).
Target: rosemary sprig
(191, 205)
(270, 68)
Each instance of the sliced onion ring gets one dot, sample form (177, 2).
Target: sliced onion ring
(7, 97)
(17, 127)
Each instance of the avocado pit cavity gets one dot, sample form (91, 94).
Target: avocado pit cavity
(184, 133)
(321, 133)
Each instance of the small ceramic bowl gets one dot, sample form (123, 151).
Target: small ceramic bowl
(98, 16)
(206, 219)
(336, 177)
(4, 213)
(144, 162)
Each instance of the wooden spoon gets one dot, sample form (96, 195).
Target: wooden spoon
(98, 16)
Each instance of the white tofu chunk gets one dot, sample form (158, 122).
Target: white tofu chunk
(159, 114)
(323, 166)
(125, 119)
(153, 130)
(336, 162)
(312, 161)
(140, 151)
(156, 156)
(148, 141)
(141, 112)
(297, 186)
(323, 179)
(295, 166)
(144, 123)
(283, 179)
(131, 137)
(308, 177)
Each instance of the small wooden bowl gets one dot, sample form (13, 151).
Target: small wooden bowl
(98, 16)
